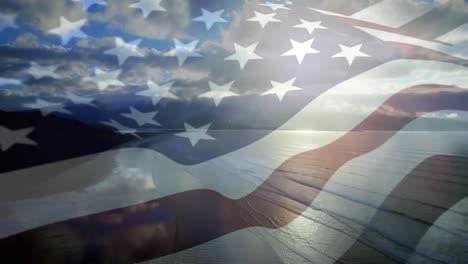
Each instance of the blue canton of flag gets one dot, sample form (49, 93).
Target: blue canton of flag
(191, 96)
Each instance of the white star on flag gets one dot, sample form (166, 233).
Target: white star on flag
(142, 118)
(280, 89)
(148, 6)
(38, 72)
(244, 54)
(156, 92)
(47, 107)
(219, 92)
(210, 18)
(274, 6)
(121, 128)
(350, 53)
(68, 30)
(263, 19)
(195, 134)
(104, 79)
(76, 99)
(300, 50)
(183, 51)
(309, 26)
(123, 50)
(9, 138)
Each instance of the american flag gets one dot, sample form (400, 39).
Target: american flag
(217, 131)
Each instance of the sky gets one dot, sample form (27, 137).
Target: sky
(29, 39)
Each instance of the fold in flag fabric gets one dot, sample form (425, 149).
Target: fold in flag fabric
(239, 116)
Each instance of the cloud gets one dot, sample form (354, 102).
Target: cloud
(158, 25)
(41, 14)
(461, 116)
(452, 116)
(132, 175)
(363, 104)
(27, 40)
(44, 15)
(78, 62)
(125, 181)
(11, 92)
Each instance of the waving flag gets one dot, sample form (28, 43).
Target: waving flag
(233, 131)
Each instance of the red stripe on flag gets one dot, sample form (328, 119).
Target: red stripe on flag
(366, 24)
(421, 53)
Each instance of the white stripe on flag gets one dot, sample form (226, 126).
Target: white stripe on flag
(396, 13)
(232, 174)
(330, 13)
(390, 13)
(457, 36)
(455, 51)
(440, 243)
(347, 203)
